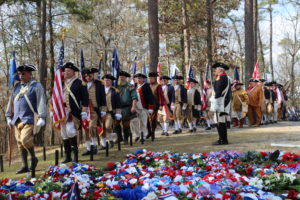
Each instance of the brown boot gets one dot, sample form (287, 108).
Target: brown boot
(241, 123)
(235, 122)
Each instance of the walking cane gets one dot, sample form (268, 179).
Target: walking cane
(10, 146)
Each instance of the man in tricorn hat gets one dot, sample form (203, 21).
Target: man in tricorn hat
(145, 106)
(256, 98)
(164, 114)
(76, 103)
(221, 101)
(193, 105)
(159, 102)
(239, 99)
(97, 108)
(113, 111)
(128, 101)
(27, 99)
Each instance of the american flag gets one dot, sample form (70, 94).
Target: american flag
(205, 87)
(57, 99)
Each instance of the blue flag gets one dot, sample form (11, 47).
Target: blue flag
(82, 66)
(236, 75)
(115, 66)
(74, 194)
(191, 72)
(134, 65)
(13, 74)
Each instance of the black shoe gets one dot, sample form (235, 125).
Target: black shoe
(86, 153)
(208, 128)
(166, 134)
(67, 159)
(194, 129)
(137, 139)
(176, 132)
(191, 130)
(34, 163)
(163, 133)
(148, 135)
(220, 142)
(23, 170)
(179, 131)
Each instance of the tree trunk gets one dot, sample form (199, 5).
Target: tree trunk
(208, 31)
(3, 37)
(271, 40)
(186, 36)
(39, 138)
(249, 38)
(153, 34)
(255, 18)
(293, 99)
(52, 62)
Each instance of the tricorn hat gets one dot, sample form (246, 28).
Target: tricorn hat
(70, 65)
(222, 65)
(152, 74)
(109, 76)
(123, 73)
(26, 68)
(140, 75)
(192, 80)
(165, 78)
(90, 70)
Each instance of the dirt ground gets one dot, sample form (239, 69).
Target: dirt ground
(264, 138)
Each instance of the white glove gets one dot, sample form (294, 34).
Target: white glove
(103, 113)
(150, 111)
(183, 107)
(172, 107)
(84, 115)
(8, 121)
(199, 109)
(118, 116)
(40, 122)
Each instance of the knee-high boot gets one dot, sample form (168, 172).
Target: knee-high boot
(34, 159)
(67, 147)
(24, 168)
(74, 146)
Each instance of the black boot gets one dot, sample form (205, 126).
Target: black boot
(74, 148)
(127, 134)
(34, 160)
(88, 152)
(222, 131)
(24, 169)
(67, 147)
(118, 130)
(94, 149)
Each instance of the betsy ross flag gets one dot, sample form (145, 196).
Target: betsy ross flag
(190, 75)
(57, 99)
(205, 88)
(13, 74)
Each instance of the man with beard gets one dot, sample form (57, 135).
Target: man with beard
(128, 101)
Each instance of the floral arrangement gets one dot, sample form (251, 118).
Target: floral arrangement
(145, 175)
